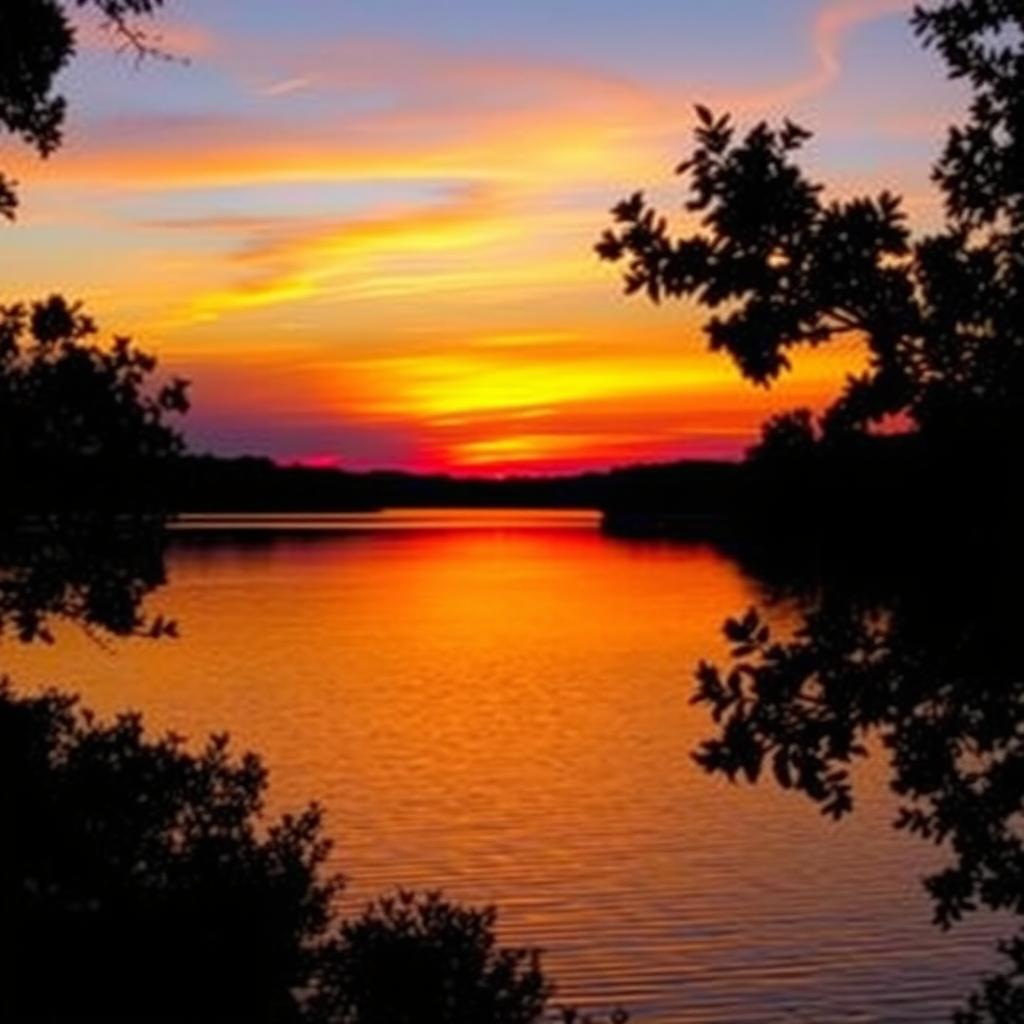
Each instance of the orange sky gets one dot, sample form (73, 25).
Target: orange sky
(368, 238)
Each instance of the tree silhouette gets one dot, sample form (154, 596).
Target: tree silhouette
(922, 668)
(450, 968)
(906, 646)
(84, 430)
(778, 266)
(98, 403)
(37, 40)
(419, 959)
(86, 436)
(914, 641)
(140, 882)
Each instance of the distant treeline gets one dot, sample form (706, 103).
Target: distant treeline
(798, 486)
(872, 477)
(213, 484)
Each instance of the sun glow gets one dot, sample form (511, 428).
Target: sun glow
(379, 250)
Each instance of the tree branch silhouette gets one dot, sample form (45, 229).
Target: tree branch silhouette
(778, 267)
(924, 662)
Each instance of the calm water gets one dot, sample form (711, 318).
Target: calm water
(497, 704)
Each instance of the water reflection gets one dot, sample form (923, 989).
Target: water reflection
(272, 527)
(503, 710)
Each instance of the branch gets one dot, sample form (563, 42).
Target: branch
(8, 197)
(138, 40)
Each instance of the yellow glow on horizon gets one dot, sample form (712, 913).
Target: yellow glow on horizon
(532, 448)
(448, 290)
(450, 385)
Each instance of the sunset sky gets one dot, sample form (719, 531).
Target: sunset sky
(365, 229)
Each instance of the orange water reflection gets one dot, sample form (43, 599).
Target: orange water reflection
(496, 703)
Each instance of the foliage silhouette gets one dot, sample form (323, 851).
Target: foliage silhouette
(419, 959)
(86, 436)
(85, 431)
(37, 40)
(147, 882)
(778, 266)
(923, 669)
(409, 959)
(98, 403)
(139, 881)
(914, 642)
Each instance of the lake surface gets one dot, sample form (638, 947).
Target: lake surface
(496, 704)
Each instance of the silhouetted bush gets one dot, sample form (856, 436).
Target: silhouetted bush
(412, 959)
(140, 882)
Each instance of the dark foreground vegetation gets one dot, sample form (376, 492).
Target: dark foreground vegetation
(140, 879)
(211, 484)
(903, 562)
(873, 469)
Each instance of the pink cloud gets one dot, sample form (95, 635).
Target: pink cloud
(830, 29)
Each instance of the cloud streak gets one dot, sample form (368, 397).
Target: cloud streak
(830, 29)
(395, 237)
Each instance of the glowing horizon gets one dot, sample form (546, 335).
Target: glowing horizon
(366, 236)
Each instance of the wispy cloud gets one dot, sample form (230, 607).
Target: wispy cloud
(836, 21)
(830, 29)
(424, 270)
(287, 86)
(283, 261)
(384, 111)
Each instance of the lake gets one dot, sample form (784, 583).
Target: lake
(497, 704)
